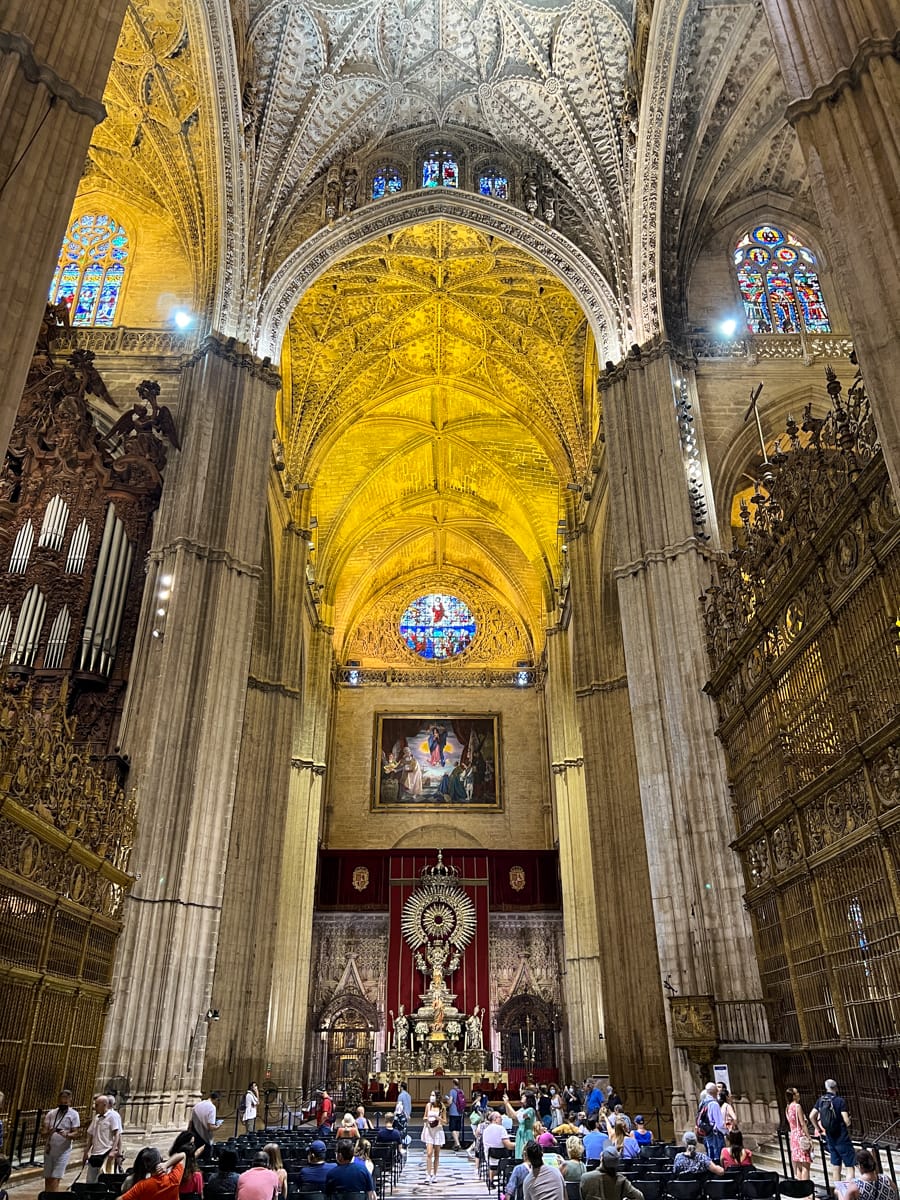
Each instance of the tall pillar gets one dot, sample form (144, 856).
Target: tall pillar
(289, 996)
(635, 1016)
(182, 724)
(54, 60)
(702, 931)
(583, 989)
(839, 59)
(236, 1050)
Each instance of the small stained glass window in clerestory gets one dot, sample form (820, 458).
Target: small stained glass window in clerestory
(90, 269)
(386, 182)
(494, 183)
(779, 283)
(440, 169)
(437, 626)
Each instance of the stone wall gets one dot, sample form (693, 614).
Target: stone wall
(525, 820)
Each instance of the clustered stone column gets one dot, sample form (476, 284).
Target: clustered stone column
(583, 989)
(182, 723)
(839, 59)
(54, 60)
(636, 1043)
(702, 931)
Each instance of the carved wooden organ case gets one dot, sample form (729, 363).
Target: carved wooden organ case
(76, 513)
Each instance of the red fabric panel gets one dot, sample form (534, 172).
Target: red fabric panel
(335, 886)
(539, 1075)
(470, 982)
(541, 890)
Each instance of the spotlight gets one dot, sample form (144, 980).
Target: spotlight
(182, 318)
(212, 1014)
(728, 327)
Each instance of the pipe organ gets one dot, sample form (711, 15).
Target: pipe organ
(76, 510)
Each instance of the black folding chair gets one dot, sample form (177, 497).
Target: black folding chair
(796, 1189)
(685, 1189)
(650, 1189)
(760, 1185)
(573, 1189)
(722, 1189)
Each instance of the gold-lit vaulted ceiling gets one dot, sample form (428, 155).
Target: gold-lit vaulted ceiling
(435, 402)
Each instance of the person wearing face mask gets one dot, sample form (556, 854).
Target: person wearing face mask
(61, 1125)
(433, 1135)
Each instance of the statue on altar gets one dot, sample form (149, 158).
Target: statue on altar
(437, 1014)
(401, 1028)
(474, 1032)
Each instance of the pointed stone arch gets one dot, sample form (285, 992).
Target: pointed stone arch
(491, 217)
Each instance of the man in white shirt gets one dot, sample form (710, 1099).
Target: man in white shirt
(204, 1121)
(494, 1137)
(61, 1125)
(104, 1137)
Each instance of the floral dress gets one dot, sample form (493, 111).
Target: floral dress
(798, 1129)
(525, 1132)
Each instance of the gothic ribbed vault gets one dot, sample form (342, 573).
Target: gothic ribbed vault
(436, 406)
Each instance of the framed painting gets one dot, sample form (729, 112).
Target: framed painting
(433, 762)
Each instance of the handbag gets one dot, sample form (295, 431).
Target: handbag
(805, 1143)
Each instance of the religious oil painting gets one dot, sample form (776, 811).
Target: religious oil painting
(433, 762)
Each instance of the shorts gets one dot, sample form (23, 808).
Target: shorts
(456, 1123)
(56, 1161)
(841, 1152)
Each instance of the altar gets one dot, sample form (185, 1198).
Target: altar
(421, 1086)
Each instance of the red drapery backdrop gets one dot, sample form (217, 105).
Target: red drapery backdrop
(470, 982)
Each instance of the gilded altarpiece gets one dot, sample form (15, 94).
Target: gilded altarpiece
(803, 637)
(527, 965)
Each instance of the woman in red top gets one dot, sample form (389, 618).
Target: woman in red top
(192, 1179)
(155, 1179)
(734, 1154)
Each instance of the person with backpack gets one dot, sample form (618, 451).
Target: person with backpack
(831, 1120)
(456, 1107)
(711, 1123)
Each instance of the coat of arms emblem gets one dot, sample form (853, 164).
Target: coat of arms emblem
(360, 878)
(517, 878)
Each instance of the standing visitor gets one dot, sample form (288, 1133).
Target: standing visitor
(104, 1138)
(250, 1106)
(456, 1106)
(711, 1123)
(205, 1121)
(798, 1135)
(526, 1116)
(60, 1128)
(832, 1122)
(433, 1136)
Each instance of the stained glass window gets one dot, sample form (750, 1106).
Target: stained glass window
(440, 169)
(437, 626)
(779, 283)
(494, 183)
(386, 182)
(90, 270)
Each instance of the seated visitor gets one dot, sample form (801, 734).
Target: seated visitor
(735, 1153)
(387, 1132)
(594, 1141)
(692, 1161)
(607, 1182)
(641, 1133)
(223, 1185)
(574, 1166)
(347, 1175)
(317, 1170)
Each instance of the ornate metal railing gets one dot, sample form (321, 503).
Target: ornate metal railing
(459, 677)
(122, 339)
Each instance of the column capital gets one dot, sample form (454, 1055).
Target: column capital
(870, 49)
(238, 353)
(42, 73)
(639, 357)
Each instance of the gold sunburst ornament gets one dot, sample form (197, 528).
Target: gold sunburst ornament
(439, 915)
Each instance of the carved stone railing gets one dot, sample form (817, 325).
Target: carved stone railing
(124, 340)
(761, 347)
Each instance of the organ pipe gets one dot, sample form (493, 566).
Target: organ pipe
(107, 589)
(117, 611)
(59, 636)
(78, 548)
(5, 627)
(21, 551)
(97, 588)
(55, 520)
(28, 628)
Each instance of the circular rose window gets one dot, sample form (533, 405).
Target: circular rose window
(437, 626)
